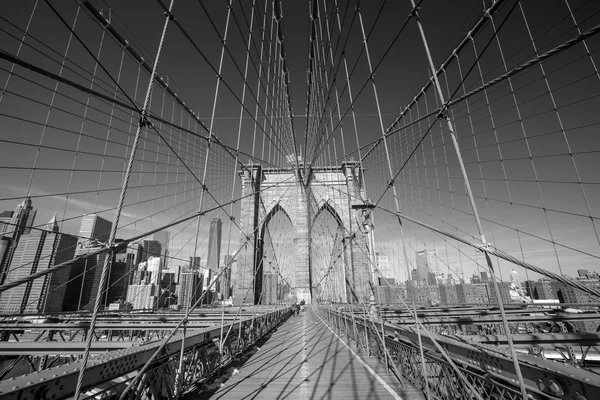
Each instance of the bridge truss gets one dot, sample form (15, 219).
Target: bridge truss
(126, 133)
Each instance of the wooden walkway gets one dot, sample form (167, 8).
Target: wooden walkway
(305, 360)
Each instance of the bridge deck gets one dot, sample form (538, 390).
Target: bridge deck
(305, 360)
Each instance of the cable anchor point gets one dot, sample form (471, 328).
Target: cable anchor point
(144, 121)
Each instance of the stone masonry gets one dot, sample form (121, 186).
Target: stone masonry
(266, 191)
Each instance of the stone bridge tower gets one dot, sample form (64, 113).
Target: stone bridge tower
(301, 196)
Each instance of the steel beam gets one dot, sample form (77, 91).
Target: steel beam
(60, 382)
(547, 341)
(497, 319)
(59, 348)
(494, 362)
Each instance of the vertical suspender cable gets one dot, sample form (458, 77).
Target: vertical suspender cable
(143, 122)
(203, 183)
(471, 201)
(391, 183)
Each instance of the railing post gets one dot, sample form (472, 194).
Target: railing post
(179, 377)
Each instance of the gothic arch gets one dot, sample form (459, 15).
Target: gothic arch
(328, 207)
(277, 207)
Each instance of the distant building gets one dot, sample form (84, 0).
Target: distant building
(484, 277)
(229, 264)
(214, 253)
(392, 294)
(431, 279)
(582, 273)
(190, 288)
(96, 228)
(85, 275)
(170, 278)
(504, 293)
(84, 281)
(568, 294)
(164, 238)
(540, 290)
(426, 295)
(20, 223)
(448, 295)
(195, 263)
(132, 257)
(5, 217)
(37, 251)
(143, 296)
(151, 248)
(426, 263)
(384, 281)
(384, 265)
(469, 293)
(414, 276)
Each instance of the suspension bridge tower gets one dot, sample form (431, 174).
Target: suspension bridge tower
(302, 193)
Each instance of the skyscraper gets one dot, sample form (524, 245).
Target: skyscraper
(195, 263)
(190, 288)
(94, 227)
(426, 263)
(20, 223)
(84, 280)
(5, 217)
(164, 238)
(151, 248)
(214, 251)
(37, 251)
(228, 263)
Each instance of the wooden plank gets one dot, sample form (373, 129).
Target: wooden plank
(305, 360)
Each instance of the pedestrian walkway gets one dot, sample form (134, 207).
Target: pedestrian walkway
(304, 359)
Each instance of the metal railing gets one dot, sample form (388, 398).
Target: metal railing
(489, 369)
(109, 374)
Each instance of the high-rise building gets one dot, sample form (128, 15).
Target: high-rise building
(5, 217)
(474, 293)
(484, 277)
(131, 257)
(195, 263)
(514, 279)
(21, 220)
(190, 288)
(448, 295)
(214, 252)
(20, 224)
(84, 279)
(151, 248)
(383, 265)
(229, 264)
(540, 290)
(426, 263)
(392, 294)
(504, 293)
(414, 276)
(427, 295)
(164, 238)
(142, 296)
(36, 251)
(95, 228)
